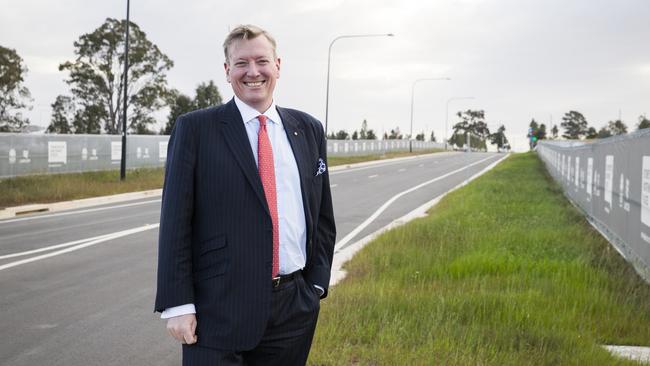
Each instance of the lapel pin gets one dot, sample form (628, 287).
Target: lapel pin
(295, 133)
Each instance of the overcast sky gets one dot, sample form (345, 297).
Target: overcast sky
(519, 59)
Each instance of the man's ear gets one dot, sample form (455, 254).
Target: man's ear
(227, 69)
(277, 66)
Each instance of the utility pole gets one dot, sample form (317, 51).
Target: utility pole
(126, 85)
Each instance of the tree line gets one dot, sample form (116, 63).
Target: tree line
(471, 122)
(576, 127)
(96, 80)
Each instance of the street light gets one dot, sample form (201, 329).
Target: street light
(412, 96)
(447, 116)
(329, 58)
(126, 84)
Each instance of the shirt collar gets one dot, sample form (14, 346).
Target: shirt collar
(249, 113)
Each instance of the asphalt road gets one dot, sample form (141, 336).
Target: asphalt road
(77, 287)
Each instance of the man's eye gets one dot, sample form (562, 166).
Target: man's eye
(263, 62)
(240, 64)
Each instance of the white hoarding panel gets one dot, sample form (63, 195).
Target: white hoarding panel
(645, 191)
(57, 152)
(116, 150)
(609, 179)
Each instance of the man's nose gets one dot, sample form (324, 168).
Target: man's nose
(253, 70)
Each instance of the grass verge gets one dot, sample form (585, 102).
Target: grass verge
(344, 160)
(502, 272)
(63, 187)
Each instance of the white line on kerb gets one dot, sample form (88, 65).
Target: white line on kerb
(373, 176)
(102, 239)
(77, 212)
(341, 244)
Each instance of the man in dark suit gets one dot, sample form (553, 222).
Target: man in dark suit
(247, 227)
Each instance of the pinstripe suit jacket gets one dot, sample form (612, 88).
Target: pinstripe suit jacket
(215, 243)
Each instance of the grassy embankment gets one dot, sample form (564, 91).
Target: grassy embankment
(63, 187)
(502, 272)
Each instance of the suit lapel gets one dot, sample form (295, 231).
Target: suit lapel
(236, 138)
(297, 139)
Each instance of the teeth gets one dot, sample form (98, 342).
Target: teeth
(257, 83)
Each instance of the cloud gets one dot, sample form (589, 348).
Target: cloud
(644, 69)
(44, 65)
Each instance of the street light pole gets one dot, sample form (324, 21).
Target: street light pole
(329, 58)
(412, 98)
(447, 116)
(126, 69)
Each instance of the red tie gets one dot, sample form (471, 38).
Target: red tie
(267, 174)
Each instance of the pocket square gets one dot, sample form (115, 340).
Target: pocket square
(322, 168)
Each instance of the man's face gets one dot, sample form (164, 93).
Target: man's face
(252, 70)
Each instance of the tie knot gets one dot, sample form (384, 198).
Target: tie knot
(262, 119)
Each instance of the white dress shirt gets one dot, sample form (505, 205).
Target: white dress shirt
(291, 213)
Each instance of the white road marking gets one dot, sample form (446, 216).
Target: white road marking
(341, 244)
(403, 170)
(115, 235)
(421, 165)
(373, 176)
(333, 185)
(52, 247)
(77, 212)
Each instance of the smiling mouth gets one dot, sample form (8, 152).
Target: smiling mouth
(254, 84)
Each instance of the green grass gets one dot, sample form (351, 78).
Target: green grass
(502, 272)
(63, 187)
(345, 160)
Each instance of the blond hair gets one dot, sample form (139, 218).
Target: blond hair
(246, 31)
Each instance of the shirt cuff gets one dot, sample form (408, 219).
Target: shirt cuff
(321, 290)
(178, 311)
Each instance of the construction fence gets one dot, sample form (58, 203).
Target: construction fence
(609, 180)
(28, 154)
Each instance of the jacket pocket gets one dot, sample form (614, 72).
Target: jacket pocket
(317, 179)
(218, 242)
(212, 260)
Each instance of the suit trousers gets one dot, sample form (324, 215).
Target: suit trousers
(287, 338)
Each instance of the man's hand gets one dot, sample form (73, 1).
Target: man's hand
(183, 328)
